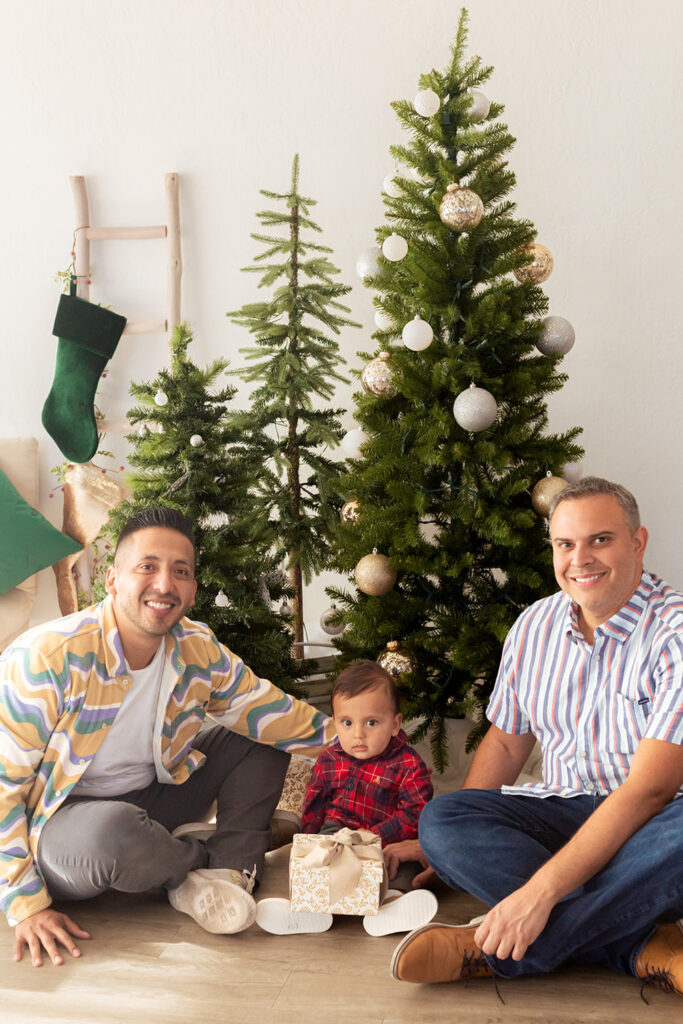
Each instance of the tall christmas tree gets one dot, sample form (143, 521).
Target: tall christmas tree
(440, 528)
(189, 456)
(295, 362)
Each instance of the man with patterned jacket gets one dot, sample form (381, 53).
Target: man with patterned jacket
(102, 762)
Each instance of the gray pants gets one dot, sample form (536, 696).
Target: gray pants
(124, 842)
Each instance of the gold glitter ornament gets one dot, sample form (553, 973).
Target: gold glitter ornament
(350, 511)
(374, 574)
(397, 660)
(544, 491)
(377, 377)
(461, 208)
(540, 269)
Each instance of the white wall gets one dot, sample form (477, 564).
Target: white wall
(224, 92)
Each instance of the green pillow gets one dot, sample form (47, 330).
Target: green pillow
(27, 541)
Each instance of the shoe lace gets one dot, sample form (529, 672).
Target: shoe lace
(654, 976)
(249, 879)
(473, 962)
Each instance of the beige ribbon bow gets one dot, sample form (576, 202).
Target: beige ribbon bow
(343, 853)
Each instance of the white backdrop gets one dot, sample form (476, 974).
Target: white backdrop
(225, 91)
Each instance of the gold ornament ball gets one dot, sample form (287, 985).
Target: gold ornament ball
(540, 269)
(350, 511)
(374, 575)
(544, 491)
(461, 208)
(377, 377)
(396, 660)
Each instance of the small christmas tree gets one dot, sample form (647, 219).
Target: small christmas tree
(296, 362)
(189, 456)
(453, 412)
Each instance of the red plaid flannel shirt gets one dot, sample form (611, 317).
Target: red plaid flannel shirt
(384, 794)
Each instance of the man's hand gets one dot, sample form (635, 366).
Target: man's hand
(514, 923)
(408, 849)
(46, 929)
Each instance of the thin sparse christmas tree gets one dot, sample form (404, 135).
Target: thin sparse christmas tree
(453, 413)
(188, 455)
(296, 363)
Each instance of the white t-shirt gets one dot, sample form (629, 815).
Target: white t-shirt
(125, 759)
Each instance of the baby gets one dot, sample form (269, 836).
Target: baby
(368, 778)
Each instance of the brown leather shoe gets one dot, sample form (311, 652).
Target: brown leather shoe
(440, 952)
(661, 961)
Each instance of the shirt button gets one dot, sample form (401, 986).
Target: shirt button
(583, 753)
(58, 792)
(126, 682)
(596, 657)
(82, 761)
(104, 725)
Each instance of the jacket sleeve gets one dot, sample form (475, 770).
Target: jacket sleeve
(30, 706)
(315, 801)
(415, 789)
(256, 708)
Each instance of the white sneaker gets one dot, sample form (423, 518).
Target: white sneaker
(219, 899)
(404, 913)
(275, 916)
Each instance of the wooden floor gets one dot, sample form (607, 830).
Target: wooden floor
(147, 964)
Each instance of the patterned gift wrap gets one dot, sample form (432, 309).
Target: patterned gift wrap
(309, 887)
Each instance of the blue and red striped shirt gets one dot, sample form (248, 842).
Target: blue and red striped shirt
(591, 705)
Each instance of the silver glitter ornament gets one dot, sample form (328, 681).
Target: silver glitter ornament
(557, 336)
(475, 409)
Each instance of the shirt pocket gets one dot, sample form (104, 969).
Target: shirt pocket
(631, 710)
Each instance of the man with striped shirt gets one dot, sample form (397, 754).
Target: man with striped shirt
(588, 864)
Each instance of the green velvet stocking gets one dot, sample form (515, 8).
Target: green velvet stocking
(88, 336)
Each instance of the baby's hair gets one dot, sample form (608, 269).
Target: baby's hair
(360, 676)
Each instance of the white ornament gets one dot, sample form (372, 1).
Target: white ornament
(159, 428)
(366, 264)
(383, 321)
(143, 430)
(351, 443)
(391, 187)
(426, 103)
(161, 398)
(480, 105)
(285, 609)
(221, 599)
(196, 440)
(394, 247)
(572, 471)
(327, 626)
(557, 336)
(417, 335)
(475, 409)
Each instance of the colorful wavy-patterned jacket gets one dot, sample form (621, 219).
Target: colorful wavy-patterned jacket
(61, 685)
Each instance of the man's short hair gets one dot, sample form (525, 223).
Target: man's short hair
(157, 515)
(596, 485)
(361, 676)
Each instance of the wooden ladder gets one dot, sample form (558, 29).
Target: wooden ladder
(85, 233)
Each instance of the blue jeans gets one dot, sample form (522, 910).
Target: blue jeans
(489, 844)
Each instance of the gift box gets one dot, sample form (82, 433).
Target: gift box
(342, 873)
